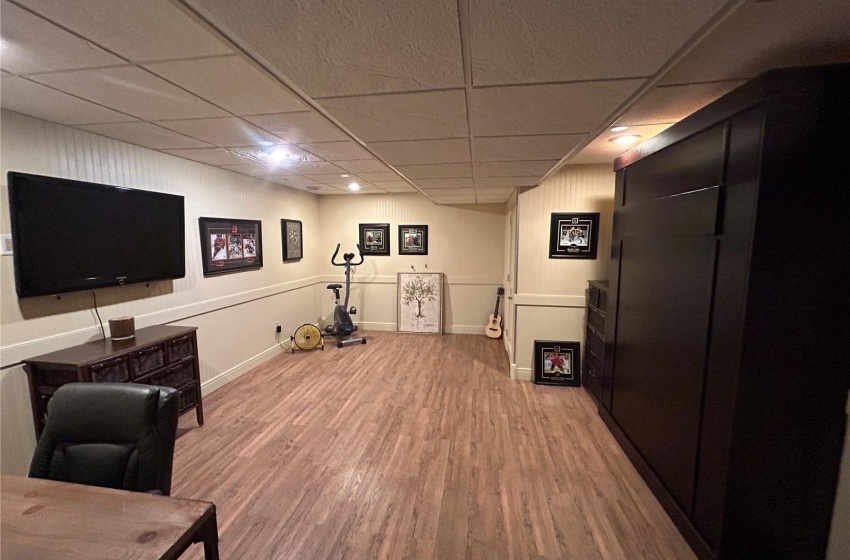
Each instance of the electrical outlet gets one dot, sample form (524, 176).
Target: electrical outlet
(6, 244)
(277, 328)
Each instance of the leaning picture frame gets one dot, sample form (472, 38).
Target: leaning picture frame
(557, 363)
(375, 239)
(413, 240)
(230, 245)
(420, 302)
(574, 235)
(292, 239)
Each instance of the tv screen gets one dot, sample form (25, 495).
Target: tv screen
(71, 235)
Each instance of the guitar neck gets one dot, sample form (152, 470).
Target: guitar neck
(496, 310)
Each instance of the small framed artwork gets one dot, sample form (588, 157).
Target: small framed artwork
(375, 239)
(574, 235)
(412, 240)
(230, 245)
(557, 363)
(420, 302)
(293, 243)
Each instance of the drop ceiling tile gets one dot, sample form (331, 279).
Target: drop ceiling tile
(296, 181)
(131, 90)
(139, 30)
(225, 132)
(378, 176)
(394, 186)
(146, 134)
(333, 151)
(229, 82)
(669, 104)
(210, 156)
(314, 168)
(330, 178)
(330, 49)
(436, 171)
(257, 169)
(362, 165)
(412, 152)
(36, 100)
(522, 148)
(513, 168)
(600, 150)
(547, 109)
(402, 116)
(280, 156)
(456, 183)
(499, 182)
(449, 192)
(32, 44)
(521, 42)
(763, 35)
(297, 128)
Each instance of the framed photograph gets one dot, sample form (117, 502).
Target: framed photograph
(420, 302)
(574, 235)
(557, 363)
(293, 243)
(412, 240)
(375, 239)
(230, 245)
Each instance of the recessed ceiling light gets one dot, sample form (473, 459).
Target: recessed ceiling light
(345, 176)
(625, 140)
(354, 187)
(279, 155)
(619, 128)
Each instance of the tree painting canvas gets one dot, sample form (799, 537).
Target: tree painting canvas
(420, 302)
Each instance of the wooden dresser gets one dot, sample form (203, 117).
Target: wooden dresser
(160, 355)
(594, 339)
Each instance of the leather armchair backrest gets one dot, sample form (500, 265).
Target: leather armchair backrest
(116, 435)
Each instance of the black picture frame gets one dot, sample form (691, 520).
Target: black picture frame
(237, 256)
(413, 240)
(574, 235)
(375, 239)
(292, 239)
(567, 373)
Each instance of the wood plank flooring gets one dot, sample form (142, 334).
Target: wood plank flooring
(418, 447)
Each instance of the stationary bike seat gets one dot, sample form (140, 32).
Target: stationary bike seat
(334, 286)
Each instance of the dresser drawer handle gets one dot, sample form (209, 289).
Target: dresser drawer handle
(107, 364)
(181, 339)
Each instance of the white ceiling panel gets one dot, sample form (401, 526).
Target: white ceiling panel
(764, 35)
(32, 44)
(402, 116)
(569, 40)
(296, 181)
(332, 49)
(513, 168)
(131, 90)
(519, 148)
(313, 168)
(139, 30)
(333, 151)
(210, 156)
(225, 132)
(547, 109)
(669, 104)
(298, 128)
(229, 82)
(362, 165)
(394, 186)
(331, 178)
(488, 182)
(257, 169)
(601, 150)
(372, 176)
(413, 152)
(436, 171)
(147, 135)
(30, 98)
(449, 192)
(456, 183)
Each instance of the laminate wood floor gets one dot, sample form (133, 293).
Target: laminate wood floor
(414, 446)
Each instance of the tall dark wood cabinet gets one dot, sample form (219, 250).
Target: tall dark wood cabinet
(727, 370)
(594, 336)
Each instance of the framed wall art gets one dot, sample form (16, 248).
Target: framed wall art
(412, 240)
(574, 235)
(292, 241)
(420, 302)
(230, 245)
(375, 239)
(557, 363)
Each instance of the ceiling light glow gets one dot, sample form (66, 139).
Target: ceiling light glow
(619, 128)
(279, 155)
(345, 176)
(625, 140)
(353, 187)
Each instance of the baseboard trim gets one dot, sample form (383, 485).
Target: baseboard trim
(524, 374)
(238, 370)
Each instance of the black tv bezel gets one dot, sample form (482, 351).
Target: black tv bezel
(13, 178)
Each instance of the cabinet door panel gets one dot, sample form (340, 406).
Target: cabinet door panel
(663, 313)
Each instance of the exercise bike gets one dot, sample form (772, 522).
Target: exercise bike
(343, 325)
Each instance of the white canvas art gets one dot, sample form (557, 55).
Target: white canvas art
(420, 302)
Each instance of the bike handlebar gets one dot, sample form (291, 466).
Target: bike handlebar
(347, 261)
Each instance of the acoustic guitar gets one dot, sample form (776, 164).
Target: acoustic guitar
(494, 324)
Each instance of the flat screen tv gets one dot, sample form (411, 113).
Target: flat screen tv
(72, 235)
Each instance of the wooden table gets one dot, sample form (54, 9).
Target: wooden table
(47, 520)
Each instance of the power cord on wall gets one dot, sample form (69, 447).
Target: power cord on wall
(103, 332)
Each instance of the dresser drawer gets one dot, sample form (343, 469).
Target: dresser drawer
(593, 340)
(180, 348)
(188, 396)
(592, 379)
(110, 371)
(596, 319)
(594, 358)
(593, 296)
(175, 376)
(147, 360)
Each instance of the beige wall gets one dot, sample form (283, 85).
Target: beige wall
(550, 293)
(235, 313)
(466, 243)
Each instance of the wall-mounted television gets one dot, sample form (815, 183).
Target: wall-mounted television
(72, 235)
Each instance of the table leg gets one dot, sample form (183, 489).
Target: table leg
(208, 533)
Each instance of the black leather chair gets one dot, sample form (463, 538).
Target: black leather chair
(116, 435)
